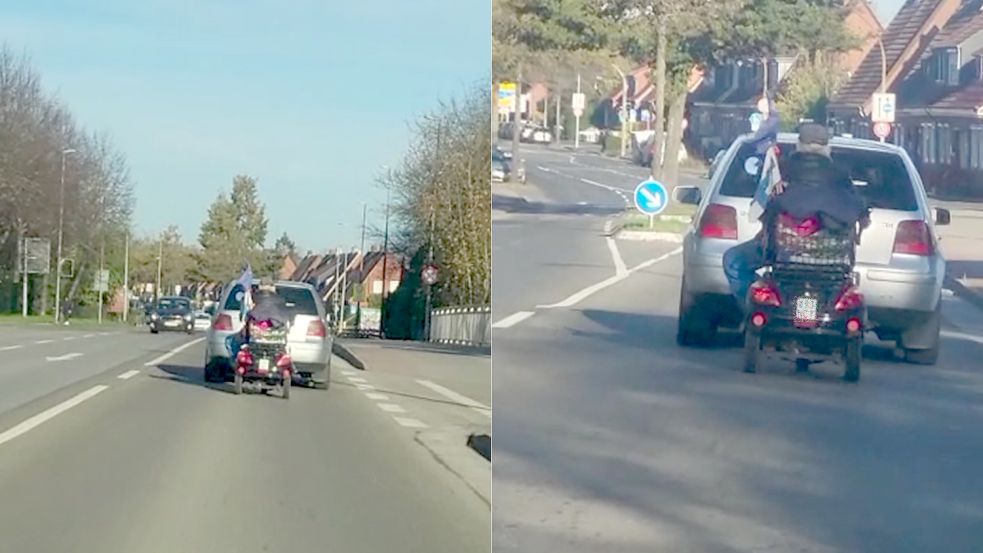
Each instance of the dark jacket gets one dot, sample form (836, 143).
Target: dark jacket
(269, 307)
(816, 186)
(767, 133)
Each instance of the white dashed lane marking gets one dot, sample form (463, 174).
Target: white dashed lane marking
(391, 408)
(51, 413)
(357, 379)
(44, 341)
(364, 387)
(456, 397)
(8, 348)
(128, 374)
(377, 397)
(409, 423)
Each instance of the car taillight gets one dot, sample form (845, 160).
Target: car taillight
(763, 293)
(913, 237)
(851, 298)
(719, 221)
(222, 322)
(317, 328)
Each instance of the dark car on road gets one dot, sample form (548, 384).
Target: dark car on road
(172, 313)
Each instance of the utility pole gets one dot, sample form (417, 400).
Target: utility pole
(160, 263)
(883, 87)
(556, 124)
(426, 318)
(576, 132)
(126, 278)
(516, 114)
(102, 263)
(61, 232)
(624, 110)
(23, 242)
(385, 274)
(337, 277)
(344, 292)
(361, 272)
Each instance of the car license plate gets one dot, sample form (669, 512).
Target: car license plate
(806, 309)
(264, 365)
(171, 323)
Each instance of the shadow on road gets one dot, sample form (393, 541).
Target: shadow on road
(510, 204)
(194, 376)
(620, 424)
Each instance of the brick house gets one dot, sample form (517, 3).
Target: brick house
(721, 106)
(934, 59)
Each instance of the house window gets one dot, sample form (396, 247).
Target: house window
(928, 143)
(960, 148)
(899, 136)
(943, 66)
(976, 148)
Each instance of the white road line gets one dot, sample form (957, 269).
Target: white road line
(453, 396)
(513, 319)
(349, 373)
(173, 352)
(65, 357)
(51, 413)
(594, 288)
(128, 374)
(358, 379)
(962, 336)
(484, 412)
(89, 336)
(69, 338)
(391, 408)
(44, 341)
(8, 348)
(364, 387)
(377, 397)
(619, 263)
(409, 423)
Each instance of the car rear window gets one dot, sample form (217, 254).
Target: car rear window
(172, 303)
(881, 177)
(300, 301)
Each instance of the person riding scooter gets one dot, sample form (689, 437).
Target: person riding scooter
(266, 307)
(812, 185)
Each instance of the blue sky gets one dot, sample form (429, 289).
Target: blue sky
(311, 97)
(887, 9)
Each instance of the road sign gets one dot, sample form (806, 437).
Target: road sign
(755, 120)
(430, 275)
(578, 103)
(884, 108)
(506, 97)
(101, 281)
(882, 130)
(37, 255)
(651, 197)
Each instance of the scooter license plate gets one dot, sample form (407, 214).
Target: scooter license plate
(264, 365)
(806, 309)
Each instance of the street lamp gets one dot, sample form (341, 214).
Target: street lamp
(61, 231)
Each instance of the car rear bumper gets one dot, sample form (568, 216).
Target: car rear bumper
(311, 357)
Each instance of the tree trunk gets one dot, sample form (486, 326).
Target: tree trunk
(517, 114)
(44, 293)
(674, 140)
(660, 98)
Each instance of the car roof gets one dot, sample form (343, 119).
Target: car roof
(294, 284)
(840, 142)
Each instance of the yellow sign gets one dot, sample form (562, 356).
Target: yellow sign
(506, 96)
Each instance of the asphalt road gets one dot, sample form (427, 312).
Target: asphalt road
(609, 437)
(124, 448)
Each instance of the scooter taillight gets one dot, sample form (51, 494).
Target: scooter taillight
(284, 362)
(849, 299)
(244, 358)
(764, 293)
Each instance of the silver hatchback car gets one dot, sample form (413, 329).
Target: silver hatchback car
(309, 341)
(899, 265)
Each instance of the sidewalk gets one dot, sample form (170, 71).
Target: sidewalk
(962, 245)
(441, 393)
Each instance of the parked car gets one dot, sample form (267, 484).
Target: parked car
(536, 135)
(499, 153)
(899, 266)
(172, 313)
(202, 320)
(309, 341)
(500, 170)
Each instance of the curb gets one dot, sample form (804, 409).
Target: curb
(973, 297)
(340, 350)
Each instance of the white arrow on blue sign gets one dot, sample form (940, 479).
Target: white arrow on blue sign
(651, 197)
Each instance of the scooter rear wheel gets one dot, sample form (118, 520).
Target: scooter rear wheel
(238, 383)
(752, 352)
(286, 386)
(851, 358)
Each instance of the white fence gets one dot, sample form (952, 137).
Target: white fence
(468, 326)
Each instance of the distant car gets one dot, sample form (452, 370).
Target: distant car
(309, 341)
(202, 320)
(500, 171)
(536, 135)
(172, 313)
(498, 153)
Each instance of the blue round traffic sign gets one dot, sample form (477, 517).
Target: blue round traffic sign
(651, 197)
